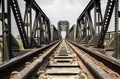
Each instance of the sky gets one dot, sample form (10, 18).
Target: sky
(58, 10)
(63, 10)
(69, 10)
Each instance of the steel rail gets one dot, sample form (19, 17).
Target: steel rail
(88, 8)
(107, 61)
(18, 63)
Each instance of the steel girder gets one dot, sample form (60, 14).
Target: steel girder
(55, 34)
(117, 34)
(72, 33)
(9, 44)
(64, 26)
(100, 25)
(37, 37)
(106, 22)
(5, 33)
(85, 23)
(32, 35)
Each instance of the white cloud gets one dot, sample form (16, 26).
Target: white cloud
(58, 10)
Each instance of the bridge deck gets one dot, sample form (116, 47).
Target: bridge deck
(63, 65)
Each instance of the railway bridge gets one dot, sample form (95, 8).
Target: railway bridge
(88, 51)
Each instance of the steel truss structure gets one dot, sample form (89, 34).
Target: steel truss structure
(32, 35)
(37, 31)
(94, 32)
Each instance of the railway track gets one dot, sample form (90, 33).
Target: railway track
(99, 65)
(61, 60)
(28, 62)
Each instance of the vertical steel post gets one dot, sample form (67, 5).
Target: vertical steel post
(9, 29)
(117, 43)
(5, 54)
(30, 11)
(95, 17)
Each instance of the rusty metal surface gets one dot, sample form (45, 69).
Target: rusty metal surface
(98, 67)
(26, 66)
(109, 62)
(65, 66)
(19, 63)
(27, 70)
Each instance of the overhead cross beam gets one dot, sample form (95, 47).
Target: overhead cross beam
(36, 7)
(89, 7)
(63, 26)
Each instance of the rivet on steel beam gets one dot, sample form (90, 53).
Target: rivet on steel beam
(13, 74)
(27, 63)
(51, 59)
(115, 75)
(100, 64)
(35, 58)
